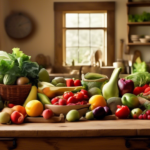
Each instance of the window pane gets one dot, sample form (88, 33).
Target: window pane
(97, 20)
(71, 38)
(71, 20)
(84, 38)
(84, 20)
(84, 56)
(97, 38)
(71, 54)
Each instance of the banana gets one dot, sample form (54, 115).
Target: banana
(51, 91)
(93, 76)
(32, 95)
(42, 85)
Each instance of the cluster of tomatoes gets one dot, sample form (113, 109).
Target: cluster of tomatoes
(69, 98)
(145, 116)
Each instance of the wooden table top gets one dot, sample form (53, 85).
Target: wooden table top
(95, 128)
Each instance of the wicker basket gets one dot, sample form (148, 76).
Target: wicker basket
(15, 94)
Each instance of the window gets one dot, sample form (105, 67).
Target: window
(81, 29)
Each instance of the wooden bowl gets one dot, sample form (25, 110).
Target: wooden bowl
(59, 109)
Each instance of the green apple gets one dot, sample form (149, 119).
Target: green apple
(136, 112)
(73, 115)
(89, 115)
(130, 100)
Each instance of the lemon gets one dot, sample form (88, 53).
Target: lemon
(43, 75)
(97, 100)
(34, 108)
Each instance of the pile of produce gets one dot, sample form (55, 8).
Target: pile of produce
(114, 98)
(16, 65)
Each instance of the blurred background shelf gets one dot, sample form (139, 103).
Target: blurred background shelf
(138, 23)
(139, 4)
(138, 44)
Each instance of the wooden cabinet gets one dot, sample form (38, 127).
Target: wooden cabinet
(95, 143)
(130, 5)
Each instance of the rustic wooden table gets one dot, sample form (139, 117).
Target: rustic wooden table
(88, 135)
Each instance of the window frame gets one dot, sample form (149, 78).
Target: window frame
(61, 7)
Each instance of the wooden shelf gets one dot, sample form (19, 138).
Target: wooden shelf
(138, 44)
(138, 23)
(139, 4)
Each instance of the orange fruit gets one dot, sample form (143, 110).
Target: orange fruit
(97, 100)
(34, 108)
(48, 92)
(20, 109)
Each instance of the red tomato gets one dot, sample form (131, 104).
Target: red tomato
(148, 112)
(54, 100)
(144, 116)
(67, 95)
(71, 99)
(77, 82)
(84, 92)
(148, 116)
(86, 97)
(10, 105)
(62, 101)
(140, 116)
(122, 112)
(79, 96)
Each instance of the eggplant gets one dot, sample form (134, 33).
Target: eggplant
(99, 112)
(107, 110)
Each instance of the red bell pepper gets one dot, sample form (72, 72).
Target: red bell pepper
(145, 86)
(69, 82)
(147, 90)
(122, 112)
(138, 90)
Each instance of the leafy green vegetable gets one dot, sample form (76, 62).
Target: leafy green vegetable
(139, 18)
(18, 64)
(9, 79)
(139, 78)
(144, 96)
(139, 67)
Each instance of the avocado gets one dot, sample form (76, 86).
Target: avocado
(113, 102)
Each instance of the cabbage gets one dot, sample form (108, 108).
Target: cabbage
(139, 78)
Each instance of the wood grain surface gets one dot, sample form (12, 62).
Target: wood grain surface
(94, 128)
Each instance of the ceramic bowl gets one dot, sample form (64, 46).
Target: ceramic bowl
(59, 109)
(135, 37)
(147, 37)
(144, 40)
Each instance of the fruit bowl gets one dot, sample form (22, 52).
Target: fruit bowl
(64, 109)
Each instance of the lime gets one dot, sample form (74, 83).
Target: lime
(94, 91)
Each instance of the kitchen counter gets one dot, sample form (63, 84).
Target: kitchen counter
(105, 134)
(78, 129)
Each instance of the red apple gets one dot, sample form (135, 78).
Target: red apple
(17, 117)
(47, 114)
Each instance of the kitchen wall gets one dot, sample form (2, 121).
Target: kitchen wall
(42, 14)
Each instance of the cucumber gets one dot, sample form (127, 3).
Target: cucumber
(44, 99)
(93, 76)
